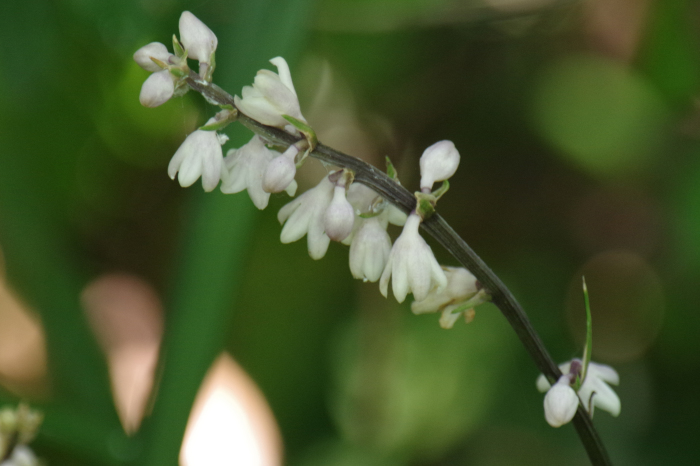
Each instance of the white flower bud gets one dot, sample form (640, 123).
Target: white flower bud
(411, 265)
(339, 217)
(199, 41)
(370, 249)
(157, 89)
(438, 163)
(280, 171)
(560, 403)
(156, 50)
(199, 155)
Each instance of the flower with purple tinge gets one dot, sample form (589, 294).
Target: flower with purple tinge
(304, 216)
(243, 168)
(271, 96)
(411, 265)
(153, 50)
(438, 163)
(560, 403)
(199, 155)
(199, 41)
(594, 391)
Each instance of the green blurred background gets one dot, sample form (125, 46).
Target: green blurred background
(579, 128)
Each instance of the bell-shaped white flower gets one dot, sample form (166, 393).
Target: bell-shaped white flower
(157, 89)
(411, 265)
(199, 155)
(462, 293)
(370, 248)
(271, 96)
(199, 41)
(153, 50)
(438, 163)
(594, 391)
(304, 216)
(280, 171)
(560, 403)
(243, 168)
(340, 216)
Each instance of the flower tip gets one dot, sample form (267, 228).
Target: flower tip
(198, 39)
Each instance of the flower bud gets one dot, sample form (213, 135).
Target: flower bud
(156, 50)
(560, 403)
(197, 38)
(280, 171)
(438, 163)
(339, 217)
(157, 89)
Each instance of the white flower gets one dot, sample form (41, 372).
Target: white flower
(339, 216)
(560, 403)
(304, 216)
(463, 291)
(199, 41)
(156, 50)
(411, 265)
(157, 89)
(21, 456)
(370, 248)
(594, 390)
(438, 163)
(280, 171)
(243, 168)
(271, 96)
(199, 155)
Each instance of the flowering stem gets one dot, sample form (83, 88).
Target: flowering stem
(443, 233)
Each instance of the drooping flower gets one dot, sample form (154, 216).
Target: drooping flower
(304, 216)
(560, 403)
(199, 155)
(370, 249)
(411, 265)
(463, 291)
(272, 96)
(339, 217)
(594, 390)
(243, 168)
(438, 163)
(199, 41)
(280, 172)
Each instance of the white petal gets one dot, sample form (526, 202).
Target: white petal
(604, 372)
(386, 275)
(156, 50)
(438, 162)
(283, 72)
(339, 216)
(280, 171)
(157, 89)
(198, 39)
(560, 403)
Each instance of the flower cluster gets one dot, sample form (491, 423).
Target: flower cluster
(561, 400)
(334, 210)
(197, 41)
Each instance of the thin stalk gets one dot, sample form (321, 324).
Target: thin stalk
(443, 233)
